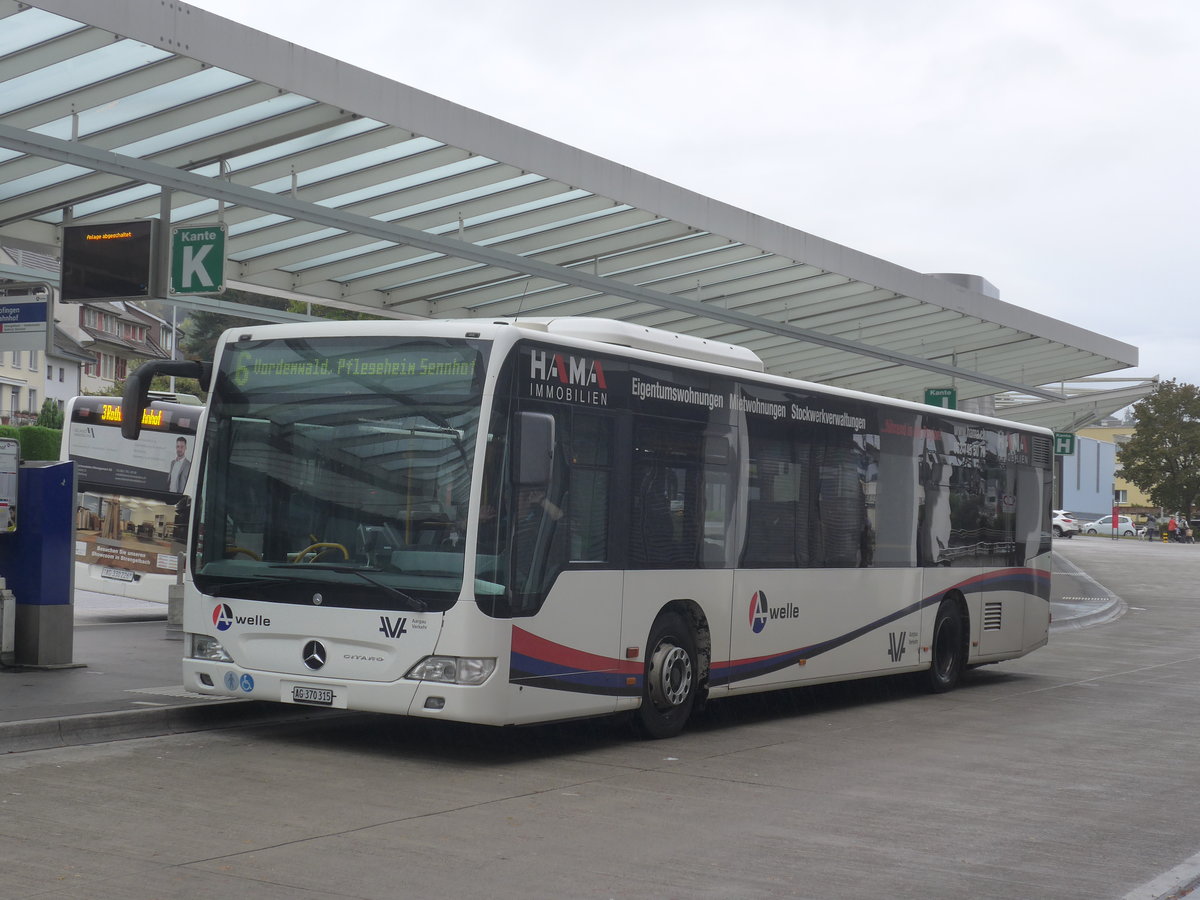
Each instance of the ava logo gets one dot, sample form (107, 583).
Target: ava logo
(758, 612)
(393, 628)
(896, 645)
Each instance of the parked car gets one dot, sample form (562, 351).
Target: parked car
(1065, 524)
(1104, 525)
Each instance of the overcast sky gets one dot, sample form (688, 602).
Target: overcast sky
(1050, 146)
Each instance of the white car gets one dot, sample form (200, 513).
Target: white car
(1104, 525)
(1065, 524)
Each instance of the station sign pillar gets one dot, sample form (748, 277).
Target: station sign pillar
(37, 561)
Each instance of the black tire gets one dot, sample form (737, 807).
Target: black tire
(671, 680)
(1058, 532)
(948, 652)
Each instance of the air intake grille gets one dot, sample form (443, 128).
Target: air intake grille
(992, 615)
(1040, 449)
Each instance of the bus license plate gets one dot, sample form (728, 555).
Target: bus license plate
(312, 695)
(116, 574)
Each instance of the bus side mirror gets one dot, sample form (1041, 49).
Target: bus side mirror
(137, 388)
(534, 449)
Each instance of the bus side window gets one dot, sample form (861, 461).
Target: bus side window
(589, 476)
(666, 519)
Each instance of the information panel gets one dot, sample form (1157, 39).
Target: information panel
(113, 261)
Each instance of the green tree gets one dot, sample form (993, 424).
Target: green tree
(50, 416)
(1162, 458)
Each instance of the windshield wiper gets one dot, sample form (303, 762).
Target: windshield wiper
(418, 604)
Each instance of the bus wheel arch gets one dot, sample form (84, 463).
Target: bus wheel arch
(676, 670)
(949, 644)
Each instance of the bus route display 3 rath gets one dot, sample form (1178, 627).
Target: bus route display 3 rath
(524, 520)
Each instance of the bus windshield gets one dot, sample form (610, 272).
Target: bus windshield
(336, 471)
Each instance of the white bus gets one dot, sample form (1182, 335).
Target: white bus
(131, 513)
(536, 519)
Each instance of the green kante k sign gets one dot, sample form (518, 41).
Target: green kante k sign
(197, 260)
(946, 398)
(1064, 443)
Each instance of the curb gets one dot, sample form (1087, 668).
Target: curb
(124, 725)
(1111, 609)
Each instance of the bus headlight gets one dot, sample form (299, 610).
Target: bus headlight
(209, 648)
(453, 669)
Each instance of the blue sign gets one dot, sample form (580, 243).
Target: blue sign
(23, 324)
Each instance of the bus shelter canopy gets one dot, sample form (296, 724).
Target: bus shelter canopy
(341, 187)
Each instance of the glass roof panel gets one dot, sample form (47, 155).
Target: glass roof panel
(550, 226)
(31, 27)
(461, 197)
(416, 209)
(601, 235)
(197, 209)
(356, 163)
(392, 267)
(254, 224)
(532, 205)
(304, 142)
(145, 103)
(338, 257)
(288, 244)
(447, 228)
(38, 180)
(77, 72)
(195, 131)
(399, 184)
(112, 201)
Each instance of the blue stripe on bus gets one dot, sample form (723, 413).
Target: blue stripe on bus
(557, 674)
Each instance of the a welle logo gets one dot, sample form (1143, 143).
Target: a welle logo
(566, 378)
(762, 612)
(224, 618)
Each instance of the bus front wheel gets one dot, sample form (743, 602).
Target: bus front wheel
(670, 683)
(948, 653)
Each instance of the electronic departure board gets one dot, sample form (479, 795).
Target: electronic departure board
(113, 261)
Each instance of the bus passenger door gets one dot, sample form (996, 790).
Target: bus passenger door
(568, 646)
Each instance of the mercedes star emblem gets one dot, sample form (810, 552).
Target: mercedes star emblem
(314, 655)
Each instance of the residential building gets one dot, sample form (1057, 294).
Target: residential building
(21, 386)
(118, 335)
(65, 367)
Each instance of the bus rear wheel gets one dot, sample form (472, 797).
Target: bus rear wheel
(670, 683)
(948, 653)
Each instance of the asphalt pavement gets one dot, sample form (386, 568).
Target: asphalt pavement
(125, 682)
